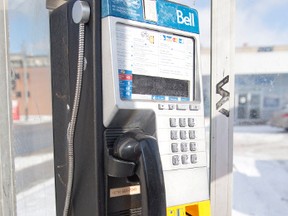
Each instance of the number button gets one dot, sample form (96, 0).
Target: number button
(192, 134)
(182, 122)
(173, 122)
(163, 107)
(194, 107)
(183, 135)
(175, 160)
(174, 147)
(191, 122)
(193, 158)
(174, 135)
(184, 147)
(182, 106)
(184, 159)
(193, 146)
(171, 106)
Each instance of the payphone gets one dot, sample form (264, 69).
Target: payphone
(139, 138)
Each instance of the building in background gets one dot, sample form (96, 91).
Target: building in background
(31, 95)
(261, 77)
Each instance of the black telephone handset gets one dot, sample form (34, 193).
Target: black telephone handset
(141, 149)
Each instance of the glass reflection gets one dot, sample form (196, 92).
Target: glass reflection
(31, 107)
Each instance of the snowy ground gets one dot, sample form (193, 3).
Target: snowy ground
(37, 201)
(260, 171)
(260, 176)
(24, 162)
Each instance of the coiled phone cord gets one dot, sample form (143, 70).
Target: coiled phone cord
(72, 123)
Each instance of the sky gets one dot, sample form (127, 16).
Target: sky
(28, 26)
(257, 23)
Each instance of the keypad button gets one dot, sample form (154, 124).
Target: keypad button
(182, 106)
(183, 135)
(194, 107)
(193, 146)
(185, 159)
(182, 122)
(193, 158)
(174, 135)
(174, 147)
(191, 134)
(173, 122)
(184, 147)
(163, 107)
(191, 122)
(171, 106)
(175, 160)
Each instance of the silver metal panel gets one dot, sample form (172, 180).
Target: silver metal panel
(181, 179)
(222, 105)
(7, 189)
(111, 97)
(195, 178)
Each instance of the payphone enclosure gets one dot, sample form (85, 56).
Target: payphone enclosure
(142, 80)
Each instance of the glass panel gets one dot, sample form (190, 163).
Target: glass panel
(31, 101)
(204, 8)
(260, 140)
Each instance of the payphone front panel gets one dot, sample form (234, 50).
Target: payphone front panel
(152, 83)
(139, 143)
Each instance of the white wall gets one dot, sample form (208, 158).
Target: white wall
(249, 61)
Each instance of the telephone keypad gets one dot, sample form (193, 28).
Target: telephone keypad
(184, 143)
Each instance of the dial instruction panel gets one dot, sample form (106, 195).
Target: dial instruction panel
(154, 65)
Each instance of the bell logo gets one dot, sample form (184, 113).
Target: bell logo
(186, 20)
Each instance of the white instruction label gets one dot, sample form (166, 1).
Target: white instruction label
(152, 53)
(125, 191)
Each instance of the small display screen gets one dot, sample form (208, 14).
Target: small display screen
(147, 85)
(154, 65)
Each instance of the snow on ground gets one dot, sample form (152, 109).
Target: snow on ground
(37, 201)
(260, 187)
(33, 119)
(260, 171)
(260, 176)
(261, 142)
(33, 160)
